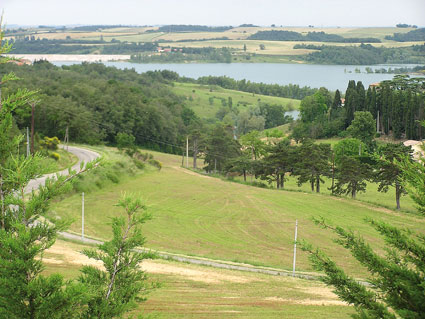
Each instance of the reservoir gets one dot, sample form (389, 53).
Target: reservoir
(313, 75)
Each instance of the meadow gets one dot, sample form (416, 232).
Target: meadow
(197, 97)
(199, 215)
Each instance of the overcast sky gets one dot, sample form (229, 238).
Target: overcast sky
(215, 12)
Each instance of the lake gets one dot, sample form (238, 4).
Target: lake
(330, 76)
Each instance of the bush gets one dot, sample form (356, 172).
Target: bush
(155, 163)
(55, 156)
(50, 143)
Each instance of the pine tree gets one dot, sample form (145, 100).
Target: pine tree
(25, 232)
(388, 173)
(117, 289)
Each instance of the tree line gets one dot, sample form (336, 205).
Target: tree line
(178, 55)
(396, 107)
(292, 91)
(363, 54)
(72, 46)
(414, 35)
(281, 35)
(350, 164)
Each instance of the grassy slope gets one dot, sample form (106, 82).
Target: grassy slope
(198, 101)
(204, 292)
(205, 216)
(66, 160)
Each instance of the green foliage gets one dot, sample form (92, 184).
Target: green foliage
(312, 164)
(219, 147)
(55, 156)
(155, 163)
(124, 140)
(117, 289)
(363, 127)
(413, 179)
(352, 173)
(414, 35)
(349, 147)
(101, 102)
(397, 289)
(49, 143)
(388, 172)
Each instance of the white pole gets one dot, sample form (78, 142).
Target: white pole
(295, 248)
(187, 152)
(28, 142)
(82, 218)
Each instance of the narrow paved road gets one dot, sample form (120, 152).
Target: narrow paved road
(83, 155)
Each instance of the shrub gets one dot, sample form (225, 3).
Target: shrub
(155, 163)
(50, 143)
(55, 156)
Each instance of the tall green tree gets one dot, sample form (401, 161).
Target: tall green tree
(388, 173)
(117, 289)
(313, 164)
(220, 146)
(363, 127)
(352, 173)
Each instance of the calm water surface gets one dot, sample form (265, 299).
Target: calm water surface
(330, 76)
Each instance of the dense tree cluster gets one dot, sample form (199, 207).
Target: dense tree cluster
(395, 107)
(414, 35)
(97, 102)
(363, 54)
(280, 35)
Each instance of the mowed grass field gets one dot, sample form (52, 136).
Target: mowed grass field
(198, 96)
(191, 291)
(204, 216)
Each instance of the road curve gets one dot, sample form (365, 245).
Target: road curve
(83, 155)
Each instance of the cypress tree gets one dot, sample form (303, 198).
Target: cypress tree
(336, 104)
(360, 97)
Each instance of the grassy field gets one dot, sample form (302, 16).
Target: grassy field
(204, 216)
(198, 99)
(189, 291)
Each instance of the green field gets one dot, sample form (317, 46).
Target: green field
(190, 291)
(199, 215)
(197, 97)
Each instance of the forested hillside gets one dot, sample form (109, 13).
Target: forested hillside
(96, 102)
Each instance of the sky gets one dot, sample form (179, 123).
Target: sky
(320, 13)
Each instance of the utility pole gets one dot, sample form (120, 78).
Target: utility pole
(32, 127)
(66, 139)
(295, 248)
(187, 152)
(215, 165)
(377, 123)
(333, 172)
(82, 217)
(28, 142)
